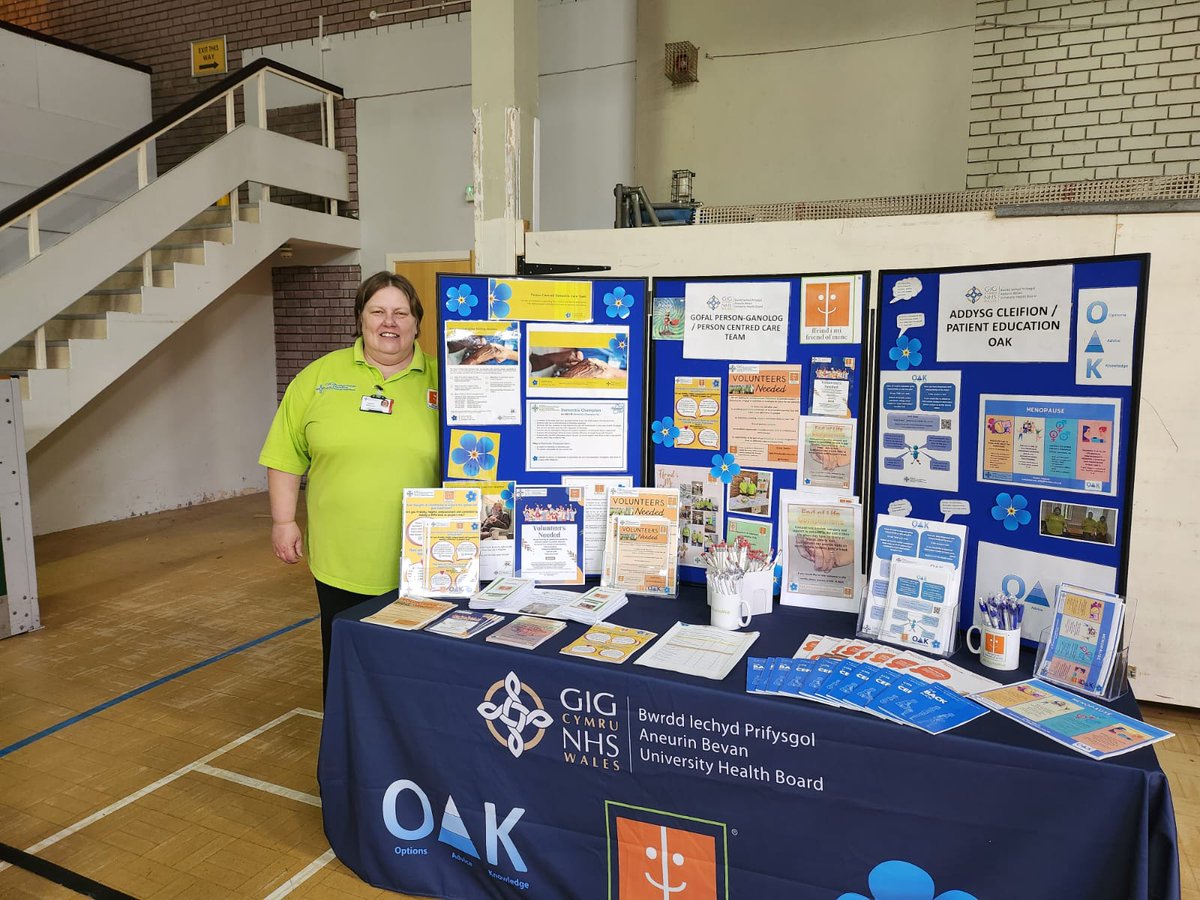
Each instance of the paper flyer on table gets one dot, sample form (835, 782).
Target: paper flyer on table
(763, 413)
(1062, 443)
(608, 643)
(918, 612)
(826, 461)
(697, 409)
(526, 632)
(1084, 640)
(702, 508)
(919, 429)
(1068, 719)
(421, 508)
(921, 538)
(646, 555)
(409, 613)
(549, 539)
(464, 623)
(831, 309)
(576, 435)
(595, 514)
(577, 360)
(483, 373)
(736, 320)
(496, 547)
(699, 650)
(539, 300)
(819, 538)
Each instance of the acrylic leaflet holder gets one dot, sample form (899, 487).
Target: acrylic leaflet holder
(1073, 676)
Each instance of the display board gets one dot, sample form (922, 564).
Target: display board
(1007, 400)
(541, 377)
(734, 363)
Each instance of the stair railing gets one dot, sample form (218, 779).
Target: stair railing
(252, 80)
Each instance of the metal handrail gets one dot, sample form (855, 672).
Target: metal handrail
(137, 141)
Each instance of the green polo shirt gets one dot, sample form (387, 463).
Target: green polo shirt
(358, 463)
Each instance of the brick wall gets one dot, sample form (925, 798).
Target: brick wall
(1084, 90)
(314, 314)
(312, 318)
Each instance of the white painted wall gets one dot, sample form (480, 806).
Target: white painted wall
(817, 100)
(1165, 561)
(183, 426)
(413, 91)
(58, 107)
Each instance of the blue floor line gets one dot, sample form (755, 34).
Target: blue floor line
(25, 742)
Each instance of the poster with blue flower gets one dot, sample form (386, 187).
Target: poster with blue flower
(473, 455)
(540, 300)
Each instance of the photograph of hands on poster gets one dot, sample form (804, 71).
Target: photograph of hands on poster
(576, 360)
(483, 376)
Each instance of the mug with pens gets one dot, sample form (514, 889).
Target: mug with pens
(998, 634)
(740, 583)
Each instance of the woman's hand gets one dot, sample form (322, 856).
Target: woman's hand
(287, 542)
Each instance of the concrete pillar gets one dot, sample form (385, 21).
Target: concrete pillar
(504, 101)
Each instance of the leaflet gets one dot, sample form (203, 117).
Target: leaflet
(496, 547)
(820, 542)
(698, 413)
(831, 386)
(422, 507)
(409, 613)
(593, 606)
(483, 373)
(912, 538)
(646, 555)
(540, 300)
(699, 650)
(526, 632)
(452, 557)
(608, 643)
(1084, 641)
(464, 623)
(635, 501)
(500, 591)
(764, 414)
(549, 533)
(576, 435)
(578, 360)
(1061, 443)
(595, 514)
(826, 454)
(919, 429)
(918, 612)
(1071, 720)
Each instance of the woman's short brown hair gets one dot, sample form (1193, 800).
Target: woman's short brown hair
(377, 282)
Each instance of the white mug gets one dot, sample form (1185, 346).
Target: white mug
(997, 648)
(729, 611)
(758, 590)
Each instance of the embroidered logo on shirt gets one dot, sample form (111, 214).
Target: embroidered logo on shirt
(334, 386)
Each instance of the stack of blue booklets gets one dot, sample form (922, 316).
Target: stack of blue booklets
(885, 693)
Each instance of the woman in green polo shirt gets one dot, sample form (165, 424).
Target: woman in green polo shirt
(363, 423)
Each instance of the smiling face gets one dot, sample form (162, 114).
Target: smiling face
(388, 328)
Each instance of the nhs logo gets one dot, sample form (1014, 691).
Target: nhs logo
(408, 816)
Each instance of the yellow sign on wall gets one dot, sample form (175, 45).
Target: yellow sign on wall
(208, 57)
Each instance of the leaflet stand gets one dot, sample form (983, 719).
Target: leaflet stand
(1117, 684)
(929, 648)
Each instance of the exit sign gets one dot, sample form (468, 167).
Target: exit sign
(208, 57)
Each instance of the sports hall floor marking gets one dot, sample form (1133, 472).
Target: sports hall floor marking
(121, 698)
(202, 765)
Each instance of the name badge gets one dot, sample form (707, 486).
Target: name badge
(375, 404)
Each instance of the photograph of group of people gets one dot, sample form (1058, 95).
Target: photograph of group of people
(1078, 522)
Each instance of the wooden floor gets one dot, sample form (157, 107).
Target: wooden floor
(204, 785)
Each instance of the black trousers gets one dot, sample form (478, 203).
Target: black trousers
(332, 601)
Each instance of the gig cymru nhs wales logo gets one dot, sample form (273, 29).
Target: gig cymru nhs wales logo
(515, 714)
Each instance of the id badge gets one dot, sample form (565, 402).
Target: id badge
(373, 403)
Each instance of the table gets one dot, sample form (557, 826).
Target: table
(464, 769)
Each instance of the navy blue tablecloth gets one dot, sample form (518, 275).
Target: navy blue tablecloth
(465, 769)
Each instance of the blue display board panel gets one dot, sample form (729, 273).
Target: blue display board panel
(1014, 388)
(667, 363)
(618, 302)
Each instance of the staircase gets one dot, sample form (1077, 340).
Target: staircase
(82, 313)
